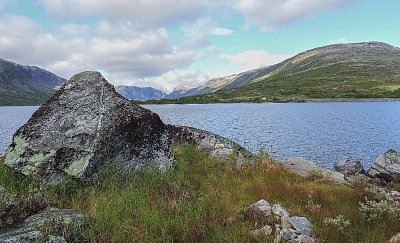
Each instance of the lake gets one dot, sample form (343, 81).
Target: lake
(320, 132)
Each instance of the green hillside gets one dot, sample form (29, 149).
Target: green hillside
(358, 70)
(25, 85)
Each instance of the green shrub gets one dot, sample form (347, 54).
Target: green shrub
(373, 211)
(339, 222)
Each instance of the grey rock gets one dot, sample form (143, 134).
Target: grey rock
(264, 231)
(14, 209)
(386, 167)
(215, 145)
(85, 128)
(349, 167)
(262, 206)
(285, 223)
(301, 225)
(59, 225)
(288, 234)
(303, 167)
(302, 239)
(258, 213)
(279, 211)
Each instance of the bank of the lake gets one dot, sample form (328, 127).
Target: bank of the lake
(204, 199)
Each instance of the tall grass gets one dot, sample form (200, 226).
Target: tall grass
(202, 199)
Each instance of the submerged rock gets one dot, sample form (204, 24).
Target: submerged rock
(349, 167)
(87, 127)
(50, 225)
(386, 166)
(303, 167)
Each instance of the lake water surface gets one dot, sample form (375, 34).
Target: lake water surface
(320, 132)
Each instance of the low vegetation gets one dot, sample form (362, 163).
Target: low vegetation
(297, 89)
(202, 199)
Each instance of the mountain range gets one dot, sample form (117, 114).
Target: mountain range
(26, 85)
(354, 70)
(140, 93)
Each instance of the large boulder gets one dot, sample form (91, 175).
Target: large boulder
(349, 167)
(386, 166)
(306, 168)
(87, 127)
(216, 146)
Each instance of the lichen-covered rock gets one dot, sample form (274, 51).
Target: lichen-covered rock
(87, 127)
(303, 167)
(349, 167)
(50, 225)
(215, 145)
(386, 167)
(301, 225)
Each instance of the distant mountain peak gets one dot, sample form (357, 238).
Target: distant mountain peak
(140, 93)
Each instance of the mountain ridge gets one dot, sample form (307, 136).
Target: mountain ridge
(140, 93)
(351, 70)
(26, 85)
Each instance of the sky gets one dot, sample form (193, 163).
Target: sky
(167, 43)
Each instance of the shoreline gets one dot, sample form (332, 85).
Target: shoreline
(328, 100)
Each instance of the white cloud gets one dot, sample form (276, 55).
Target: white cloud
(254, 59)
(221, 31)
(271, 14)
(117, 48)
(141, 12)
(195, 34)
